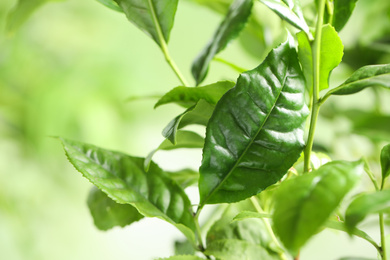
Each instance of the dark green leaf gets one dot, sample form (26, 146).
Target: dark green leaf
(289, 11)
(230, 27)
(22, 11)
(342, 10)
(198, 114)
(303, 204)
(111, 4)
(256, 132)
(154, 17)
(185, 177)
(364, 205)
(367, 76)
(107, 213)
(331, 54)
(385, 161)
(190, 96)
(184, 139)
(306, 58)
(124, 180)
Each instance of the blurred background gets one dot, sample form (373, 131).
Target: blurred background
(69, 71)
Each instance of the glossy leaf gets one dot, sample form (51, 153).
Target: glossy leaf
(154, 17)
(229, 29)
(124, 180)
(342, 10)
(331, 54)
(385, 161)
(364, 205)
(289, 11)
(306, 58)
(256, 132)
(198, 114)
(111, 4)
(22, 11)
(184, 139)
(190, 96)
(107, 214)
(303, 204)
(368, 76)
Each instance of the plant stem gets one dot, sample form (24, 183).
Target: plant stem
(316, 85)
(383, 237)
(258, 208)
(164, 46)
(371, 175)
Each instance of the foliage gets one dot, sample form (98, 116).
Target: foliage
(259, 143)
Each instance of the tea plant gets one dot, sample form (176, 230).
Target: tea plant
(258, 159)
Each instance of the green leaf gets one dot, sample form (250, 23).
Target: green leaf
(190, 96)
(185, 177)
(229, 29)
(123, 179)
(184, 248)
(331, 54)
(182, 257)
(111, 4)
(256, 132)
(250, 214)
(290, 11)
(22, 11)
(367, 76)
(153, 17)
(306, 58)
(303, 204)
(107, 213)
(342, 10)
(184, 139)
(385, 162)
(364, 205)
(198, 114)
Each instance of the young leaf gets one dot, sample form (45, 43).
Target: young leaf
(190, 96)
(230, 27)
(303, 204)
(198, 114)
(342, 10)
(385, 162)
(364, 205)
(184, 139)
(250, 214)
(107, 214)
(331, 54)
(256, 132)
(111, 4)
(367, 76)
(185, 177)
(124, 180)
(289, 11)
(154, 17)
(306, 58)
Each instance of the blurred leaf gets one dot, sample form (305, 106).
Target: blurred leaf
(184, 139)
(385, 162)
(107, 213)
(250, 214)
(374, 126)
(189, 96)
(364, 205)
(342, 10)
(185, 177)
(198, 114)
(22, 11)
(356, 258)
(368, 76)
(184, 248)
(290, 11)
(331, 54)
(306, 58)
(297, 214)
(153, 17)
(245, 239)
(111, 4)
(124, 180)
(182, 257)
(256, 132)
(220, 6)
(230, 27)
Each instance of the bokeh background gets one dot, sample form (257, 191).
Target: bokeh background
(69, 71)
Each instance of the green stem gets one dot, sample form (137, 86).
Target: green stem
(316, 85)
(232, 65)
(371, 175)
(164, 46)
(383, 236)
(267, 224)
